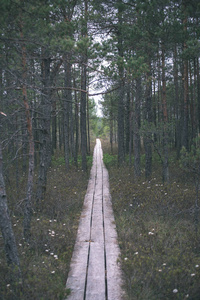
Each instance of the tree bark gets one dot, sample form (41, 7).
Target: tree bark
(83, 119)
(136, 134)
(165, 119)
(67, 100)
(29, 188)
(121, 146)
(185, 139)
(6, 225)
(148, 133)
(45, 142)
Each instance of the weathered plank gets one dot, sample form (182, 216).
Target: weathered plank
(95, 272)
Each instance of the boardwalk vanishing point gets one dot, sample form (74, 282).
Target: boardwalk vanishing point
(95, 272)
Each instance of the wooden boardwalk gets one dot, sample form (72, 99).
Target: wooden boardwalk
(95, 272)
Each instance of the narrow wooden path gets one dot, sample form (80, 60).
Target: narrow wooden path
(95, 272)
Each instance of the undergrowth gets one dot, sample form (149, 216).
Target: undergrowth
(158, 232)
(45, 260)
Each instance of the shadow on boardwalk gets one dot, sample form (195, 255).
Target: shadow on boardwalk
(95, 273)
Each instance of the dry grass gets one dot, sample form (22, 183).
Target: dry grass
(46, 259)
(158, 233)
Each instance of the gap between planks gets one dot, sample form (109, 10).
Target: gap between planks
(95, 273)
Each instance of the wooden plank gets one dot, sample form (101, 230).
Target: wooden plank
(96, 268)
(114, 275)
(96, 240)
(96, 273)
(79, 262)
(78, 269)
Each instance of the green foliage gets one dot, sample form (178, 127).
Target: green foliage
(109, 160)
(190, 161)
(45, 260)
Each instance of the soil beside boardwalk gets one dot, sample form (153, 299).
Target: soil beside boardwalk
(95, 272)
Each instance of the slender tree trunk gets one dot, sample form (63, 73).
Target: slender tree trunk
(111, 126)
(29, 189)
(6, 225)
(54, 127)
(67, 100)
(83, 121)
(136, 134)
(88, 125)
(45, 142)
(148, 134)
(185, 138)
(165, 120)
(198, 92)
(127, 120)
(176, 101)
(76, 127)
(121, 146)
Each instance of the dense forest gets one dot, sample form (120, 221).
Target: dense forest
(140, 57)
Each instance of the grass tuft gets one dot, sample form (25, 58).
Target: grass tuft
(158, 234)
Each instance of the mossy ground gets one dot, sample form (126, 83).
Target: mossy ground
(158, 232)
(157, 228)
(45, 260)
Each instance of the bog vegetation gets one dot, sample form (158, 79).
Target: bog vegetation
(142, 58)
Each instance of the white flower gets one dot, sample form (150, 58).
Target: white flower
(55, 256)
(150, 233)
(175, 291)
(51, 253)
(131, 204)
(52, 272)
(136, 253)
(125, 258)
(38, 219)
(193, 274)
(164, 264)
(197, 266)
(159, 270)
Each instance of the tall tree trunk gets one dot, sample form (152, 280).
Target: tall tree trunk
(185, 139)
(176, 101)
(45, 142)
(76, 127)
(111, 125)
(54, 127)
(29, 189)
(67, 100)
(6, 225)
(121, 146)
(84, 95)
(198, 92)
(165, 119)
(127, 119)
(136, 133)
(88, 125)
(148, 133)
